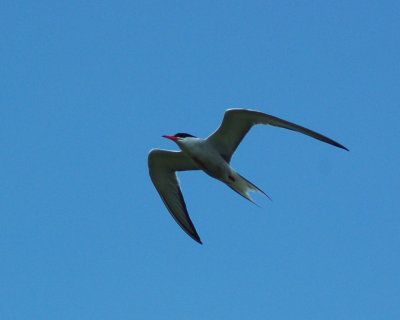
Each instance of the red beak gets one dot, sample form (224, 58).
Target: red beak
(171, 138)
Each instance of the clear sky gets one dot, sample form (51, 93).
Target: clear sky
(88, 88)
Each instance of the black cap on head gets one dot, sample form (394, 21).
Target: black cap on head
(183, 135)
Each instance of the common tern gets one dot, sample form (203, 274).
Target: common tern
(212, 155)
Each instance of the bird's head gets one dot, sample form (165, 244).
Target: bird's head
(179, 137)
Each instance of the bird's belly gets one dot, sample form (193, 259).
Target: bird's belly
(209, 160)
(216, 168)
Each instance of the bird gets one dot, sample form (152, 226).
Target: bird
(213, 156)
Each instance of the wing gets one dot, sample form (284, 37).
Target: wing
(237, 122)
(163, 165)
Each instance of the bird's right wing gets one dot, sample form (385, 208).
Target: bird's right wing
(237, 122)
(163, 165)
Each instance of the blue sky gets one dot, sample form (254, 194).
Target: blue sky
(87, 89)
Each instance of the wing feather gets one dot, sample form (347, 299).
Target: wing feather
(163, 165)
(237, 122)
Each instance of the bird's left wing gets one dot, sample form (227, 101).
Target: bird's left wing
(163, 165)
(237, 122)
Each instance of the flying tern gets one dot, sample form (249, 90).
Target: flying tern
(213, 156)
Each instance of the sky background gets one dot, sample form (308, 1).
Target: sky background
(88, 88)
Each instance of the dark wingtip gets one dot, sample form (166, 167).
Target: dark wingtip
(336, 144)
(197, 239)
(193, 234)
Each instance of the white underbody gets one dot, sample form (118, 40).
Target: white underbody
(207, 158)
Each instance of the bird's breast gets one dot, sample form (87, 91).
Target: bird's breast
(209, 160)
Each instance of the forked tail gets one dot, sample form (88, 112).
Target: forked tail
(243, 186)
